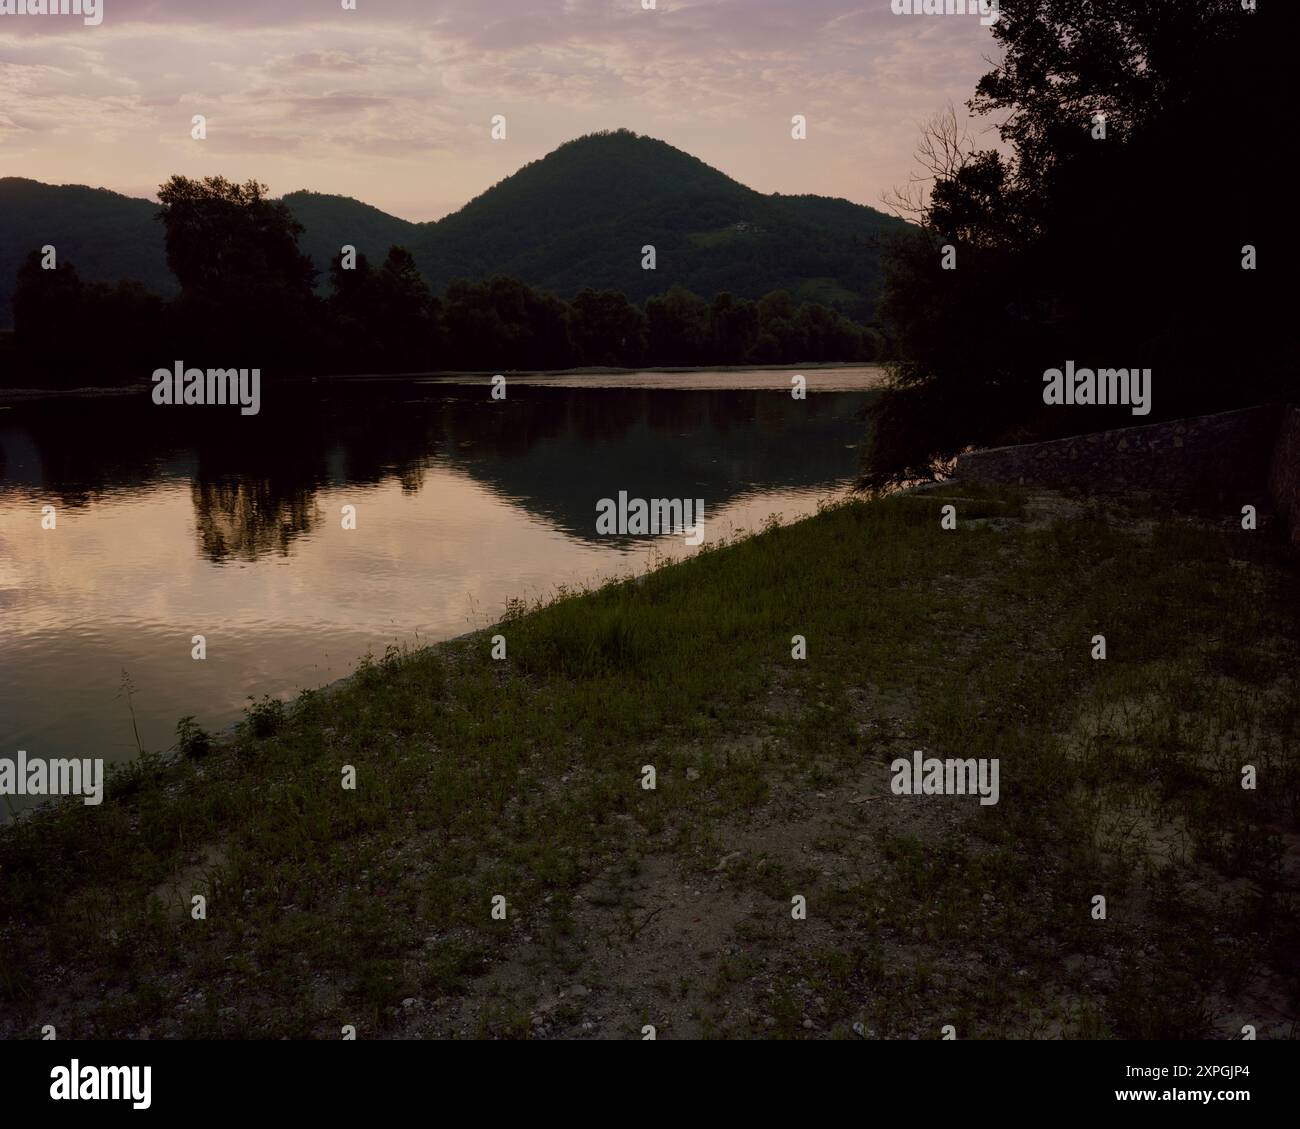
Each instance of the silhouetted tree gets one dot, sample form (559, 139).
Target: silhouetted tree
(246, 288)
(68, 332)
(606, 329)
(733, 325)
(1121, 250)
(503, 323)
(678, 325)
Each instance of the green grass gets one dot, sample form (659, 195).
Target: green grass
(522, 778)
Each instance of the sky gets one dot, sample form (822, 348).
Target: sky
(392, 103)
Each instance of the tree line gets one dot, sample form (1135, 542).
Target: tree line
(248, 296)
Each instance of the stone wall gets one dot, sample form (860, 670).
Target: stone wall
(1284, 474)
(1248, 456)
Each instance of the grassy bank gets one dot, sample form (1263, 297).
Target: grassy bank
(625, 907)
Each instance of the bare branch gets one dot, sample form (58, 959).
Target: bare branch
(943, 150)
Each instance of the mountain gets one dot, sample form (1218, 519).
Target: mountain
(577, 217)
(580, 216)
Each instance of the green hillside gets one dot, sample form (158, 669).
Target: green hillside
(106, 235)
(580, 216)
(332, 221)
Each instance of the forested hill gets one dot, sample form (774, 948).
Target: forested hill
(578, 217)
(108, 236)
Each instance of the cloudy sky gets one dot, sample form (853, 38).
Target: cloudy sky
(392, 103)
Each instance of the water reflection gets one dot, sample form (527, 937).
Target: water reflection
(250, 519)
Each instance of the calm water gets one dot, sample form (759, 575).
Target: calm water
(194, 520)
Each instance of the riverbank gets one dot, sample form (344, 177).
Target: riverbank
(522, 779)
